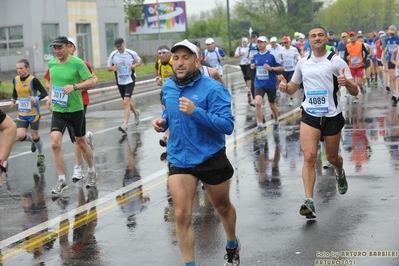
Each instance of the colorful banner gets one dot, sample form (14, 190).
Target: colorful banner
(171, 17)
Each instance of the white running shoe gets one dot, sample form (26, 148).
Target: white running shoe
(77, 174)
(123, 129)
(60, 187)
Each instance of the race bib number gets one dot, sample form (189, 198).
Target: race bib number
(24, 105)
(58, 96)
(123, 72)
(288, 64)
(355, 61)
(317, 102)
(262, 73)
(213, 63)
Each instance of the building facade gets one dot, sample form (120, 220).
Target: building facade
(27, 29)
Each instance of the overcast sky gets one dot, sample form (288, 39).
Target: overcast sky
(196, 6)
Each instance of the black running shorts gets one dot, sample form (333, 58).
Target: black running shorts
(76, 120)
(213, 171)
(329, 126)
(126, 90)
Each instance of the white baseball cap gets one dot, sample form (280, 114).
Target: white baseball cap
(209, 41)
(262, 39)
(71, 41)
(273, 39)
(301, 35)
(186, 44)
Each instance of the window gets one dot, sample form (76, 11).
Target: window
(11, 41)
(49, 33)
(110, 36)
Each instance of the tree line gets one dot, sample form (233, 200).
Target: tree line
(284, 17)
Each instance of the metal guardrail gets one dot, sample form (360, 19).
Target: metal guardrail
(105, 93)
(8, 103)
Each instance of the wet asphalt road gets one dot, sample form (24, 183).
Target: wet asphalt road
(128, 219)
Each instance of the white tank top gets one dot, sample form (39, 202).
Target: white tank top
(322, 95)
(205, 70)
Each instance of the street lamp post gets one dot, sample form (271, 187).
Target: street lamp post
(312, 10)
(358, 15)
(159, 23)
(229, 27)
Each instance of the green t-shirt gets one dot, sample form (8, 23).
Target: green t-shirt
(69, 73)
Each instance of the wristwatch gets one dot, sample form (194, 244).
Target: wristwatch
(4, 166)
(75, 87)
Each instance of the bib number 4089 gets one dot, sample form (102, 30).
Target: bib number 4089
(317, 100)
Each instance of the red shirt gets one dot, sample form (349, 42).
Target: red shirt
(378, 46)
(85, 94)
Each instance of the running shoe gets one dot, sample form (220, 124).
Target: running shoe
(307, 209)
(356, 100)
(123, 129)
(259, 130)
(388, 88)
(362, 90)
(40, 159)
(89, 139)
(232, 257)
(137, 117)
(327, 165)
(77, 174)
(91, 179)
(342, 184)
(60, 187)
(32, 146)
